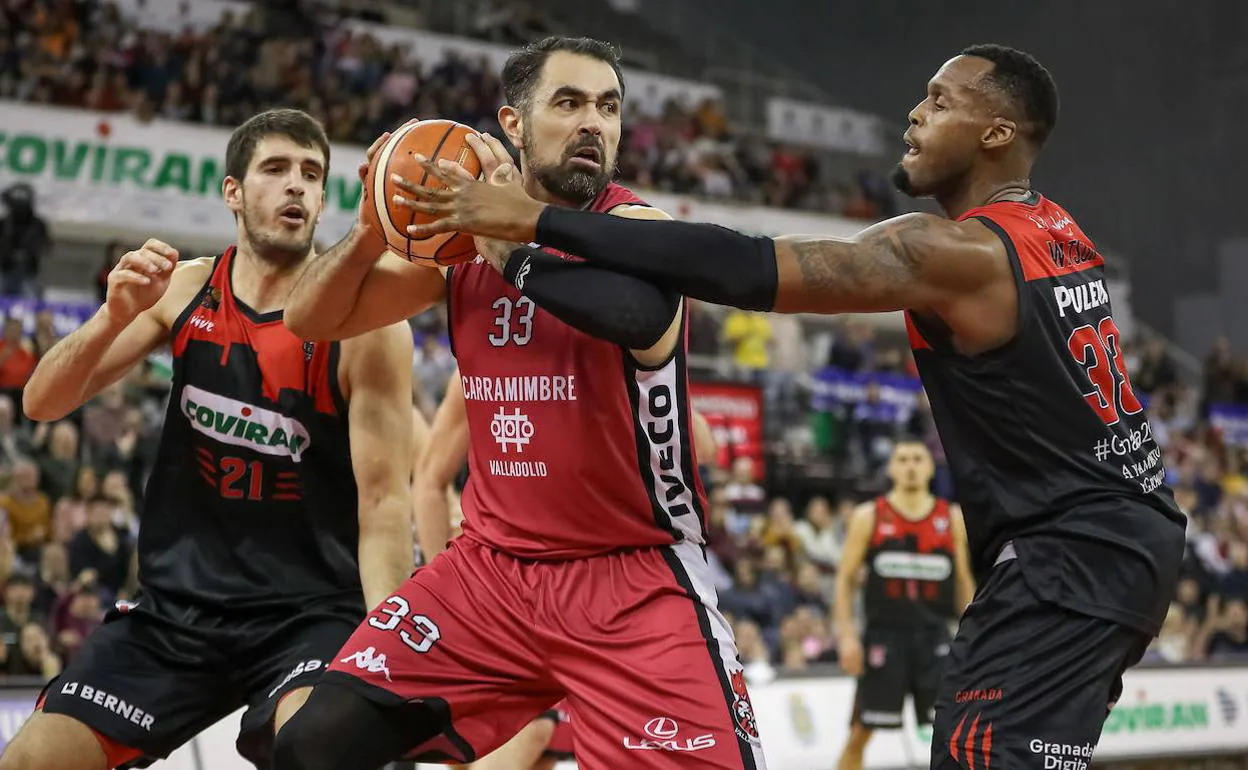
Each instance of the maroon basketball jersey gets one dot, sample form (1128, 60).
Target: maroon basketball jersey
(576, 449)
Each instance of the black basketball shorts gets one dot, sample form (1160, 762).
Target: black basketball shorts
(899, 662)
(152, 685)
(1028, 684)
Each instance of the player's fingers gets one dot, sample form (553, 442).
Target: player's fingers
(151, 262)
(161, 248)
(424, 207)
(376, 145)
(363, 171)
(503, 174)
(436, 227)
(430, 167)
(141, 261)
(130, 277)
(498, 149)
(484, 154)
(420, 192)
(455, 171)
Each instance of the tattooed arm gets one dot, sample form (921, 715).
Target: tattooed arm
(915, 261)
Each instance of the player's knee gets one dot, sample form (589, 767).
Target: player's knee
(54, 741)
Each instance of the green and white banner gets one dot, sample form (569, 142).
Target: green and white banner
(103, 176)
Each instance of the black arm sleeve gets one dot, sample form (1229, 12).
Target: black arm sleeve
(610, 306)
(702, 261)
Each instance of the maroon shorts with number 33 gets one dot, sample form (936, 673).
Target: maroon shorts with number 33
(633, 639)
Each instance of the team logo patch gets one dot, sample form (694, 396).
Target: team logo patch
(876, 655)
(941, 525)
(743, 709)
(211, 298)
(309, 347)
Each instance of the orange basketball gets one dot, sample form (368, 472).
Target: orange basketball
(434, 139)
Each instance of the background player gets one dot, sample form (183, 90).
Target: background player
(1074, 536)
(590, 525)
(918, 580)
(262, 537)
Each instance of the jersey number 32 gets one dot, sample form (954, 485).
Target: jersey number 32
(1098, 349)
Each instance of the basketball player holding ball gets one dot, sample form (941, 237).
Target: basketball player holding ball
(1075, 538)
(580, 571)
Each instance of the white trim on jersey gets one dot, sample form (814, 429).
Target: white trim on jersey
(661, 416)
(690, 559)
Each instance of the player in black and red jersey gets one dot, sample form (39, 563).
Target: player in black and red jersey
(278, 505)
(1075, 539)
(918, 580)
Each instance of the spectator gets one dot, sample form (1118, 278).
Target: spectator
(752, 651)
(45, 335)
(746, 599)
(15, 443)
(19, 596)
(70, 514)
(23, 242)
(1156, 371)
(746, 497)
(749, 333)
(104, 422)
(1219, 374)
(17, 359)
(820, 535)
(100, 553)
(780, 530)
(59, 466)
(54, 580)
(33, 655)
(811, 592)
(28, 510)
(1227, 632)
(77, 616)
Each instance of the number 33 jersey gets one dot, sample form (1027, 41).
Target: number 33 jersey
(252, 500)
(1050, 447)
(575, 449)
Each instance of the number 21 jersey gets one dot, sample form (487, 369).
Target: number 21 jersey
(1049, 445)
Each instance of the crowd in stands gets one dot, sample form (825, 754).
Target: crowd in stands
(71, 491)
(84, 53)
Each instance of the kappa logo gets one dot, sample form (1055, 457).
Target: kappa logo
(522, 274)
(368, 659)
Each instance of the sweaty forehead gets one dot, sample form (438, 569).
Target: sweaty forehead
(584, 73)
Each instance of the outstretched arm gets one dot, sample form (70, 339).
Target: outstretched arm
(915, 261)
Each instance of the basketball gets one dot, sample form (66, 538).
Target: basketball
(434, 139)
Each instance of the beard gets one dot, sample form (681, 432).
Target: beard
(901, 180)
(569, 183)
(275, 244)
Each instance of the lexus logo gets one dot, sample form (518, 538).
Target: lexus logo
(663, 728)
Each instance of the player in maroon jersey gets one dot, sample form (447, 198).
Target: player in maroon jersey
(918, 580)
(580, 572)
(277, 510)
(1075, 538)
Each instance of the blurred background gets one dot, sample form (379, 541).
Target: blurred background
(768, 117)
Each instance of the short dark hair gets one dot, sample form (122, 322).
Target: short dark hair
(524, 67)
(1026, 83)
(296, 125)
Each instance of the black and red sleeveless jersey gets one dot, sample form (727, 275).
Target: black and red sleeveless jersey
(252, 500)
(575, 449)
(910, 575)
(1047, 441)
